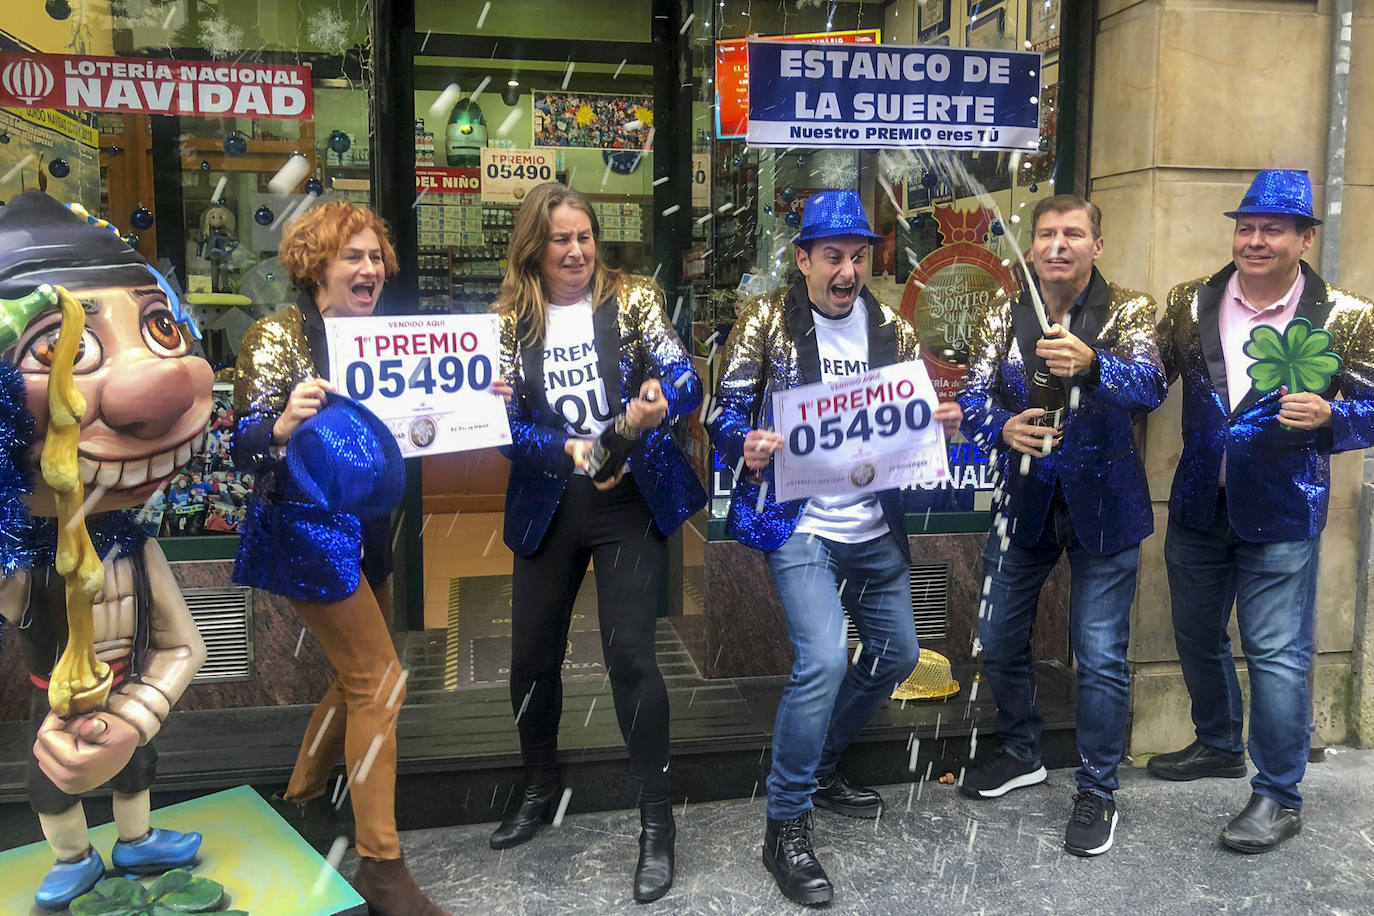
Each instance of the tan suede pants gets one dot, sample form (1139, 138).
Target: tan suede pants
(356, 717)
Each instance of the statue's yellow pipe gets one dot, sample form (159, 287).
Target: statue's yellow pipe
(80, 682)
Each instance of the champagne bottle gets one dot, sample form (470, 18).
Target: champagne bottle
(613, 447)
(1047, 393)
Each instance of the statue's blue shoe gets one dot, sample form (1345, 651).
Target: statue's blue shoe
(66, 881)
(155, 852)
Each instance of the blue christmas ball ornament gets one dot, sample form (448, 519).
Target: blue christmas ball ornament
(4, 136)
(142, 218)
(997, 227)
(794, 220)
(340, 142)
(235, 145)
(205, 165)
(917, 223)
(789, 193)
(264, 216)
(314, 187)
(1035, 188)
(58, 168)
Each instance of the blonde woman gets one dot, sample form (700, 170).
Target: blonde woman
(593, 361)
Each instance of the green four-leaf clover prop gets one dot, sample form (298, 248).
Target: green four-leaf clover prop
(1300, 358)
(173, 893)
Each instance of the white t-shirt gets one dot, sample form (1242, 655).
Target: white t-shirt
(572, 375)
(842, 344)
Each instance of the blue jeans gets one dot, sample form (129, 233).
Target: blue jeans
(1101, 589)
(1274, 588)
(828, 701)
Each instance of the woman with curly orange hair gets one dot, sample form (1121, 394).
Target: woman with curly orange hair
(338, 255)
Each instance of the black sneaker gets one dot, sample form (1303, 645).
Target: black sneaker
(1092, 825)
(998, 776)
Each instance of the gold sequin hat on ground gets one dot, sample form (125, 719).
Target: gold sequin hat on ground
(931, 680)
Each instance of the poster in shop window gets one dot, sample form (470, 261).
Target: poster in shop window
(593, 120)
(53, 151)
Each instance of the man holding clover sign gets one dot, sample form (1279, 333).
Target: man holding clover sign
(1263, 346)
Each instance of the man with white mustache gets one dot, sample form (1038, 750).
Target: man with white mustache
(1078, 489)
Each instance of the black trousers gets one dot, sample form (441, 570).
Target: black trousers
(616, 530)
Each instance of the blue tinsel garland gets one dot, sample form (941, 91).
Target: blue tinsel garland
(16, 435)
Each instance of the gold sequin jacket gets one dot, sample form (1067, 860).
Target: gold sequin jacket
(772, 347)
(1283, 474)
(1096, 464)
(288, 546)
(634, 342)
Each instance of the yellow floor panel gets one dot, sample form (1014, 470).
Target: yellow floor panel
(264, 865)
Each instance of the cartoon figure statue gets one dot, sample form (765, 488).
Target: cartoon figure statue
(116, 401)
(217, 243)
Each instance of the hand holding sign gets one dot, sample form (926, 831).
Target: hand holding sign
(759, 446)
(1299, 363)
(860, 434)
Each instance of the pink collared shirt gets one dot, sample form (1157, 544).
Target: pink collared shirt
(1236, 319)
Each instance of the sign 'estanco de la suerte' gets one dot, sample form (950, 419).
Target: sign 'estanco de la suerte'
(847, 95)
(153, 86)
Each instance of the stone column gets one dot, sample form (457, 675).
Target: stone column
(1189, 100)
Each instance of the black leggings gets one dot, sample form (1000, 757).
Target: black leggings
(616, 530)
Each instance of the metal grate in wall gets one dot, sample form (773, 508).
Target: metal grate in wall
(929, 602)
(224, 617)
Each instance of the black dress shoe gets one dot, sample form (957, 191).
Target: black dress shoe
(835, 794)
(1196, 761)
(790, 856)
(1262, 826)
(654, 873)
(537, 805)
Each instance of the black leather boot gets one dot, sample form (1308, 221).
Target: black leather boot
(790, 855)
(538, 803)
(654, 873)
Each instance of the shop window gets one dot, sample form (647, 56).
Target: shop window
(180, 155)
(951, 221)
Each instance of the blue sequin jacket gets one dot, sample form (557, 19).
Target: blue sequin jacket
(634, 343)
(287, 545)
(1284, 474)
(772, 347)
(1096, 464)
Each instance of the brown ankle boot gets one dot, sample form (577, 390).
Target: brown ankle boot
(389, 889)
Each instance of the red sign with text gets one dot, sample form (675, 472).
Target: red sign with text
(441, 179)
(150, 86)
(732, 73)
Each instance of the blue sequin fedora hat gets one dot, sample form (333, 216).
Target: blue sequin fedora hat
(1286, 192)
(831, 213)
(345, 459)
